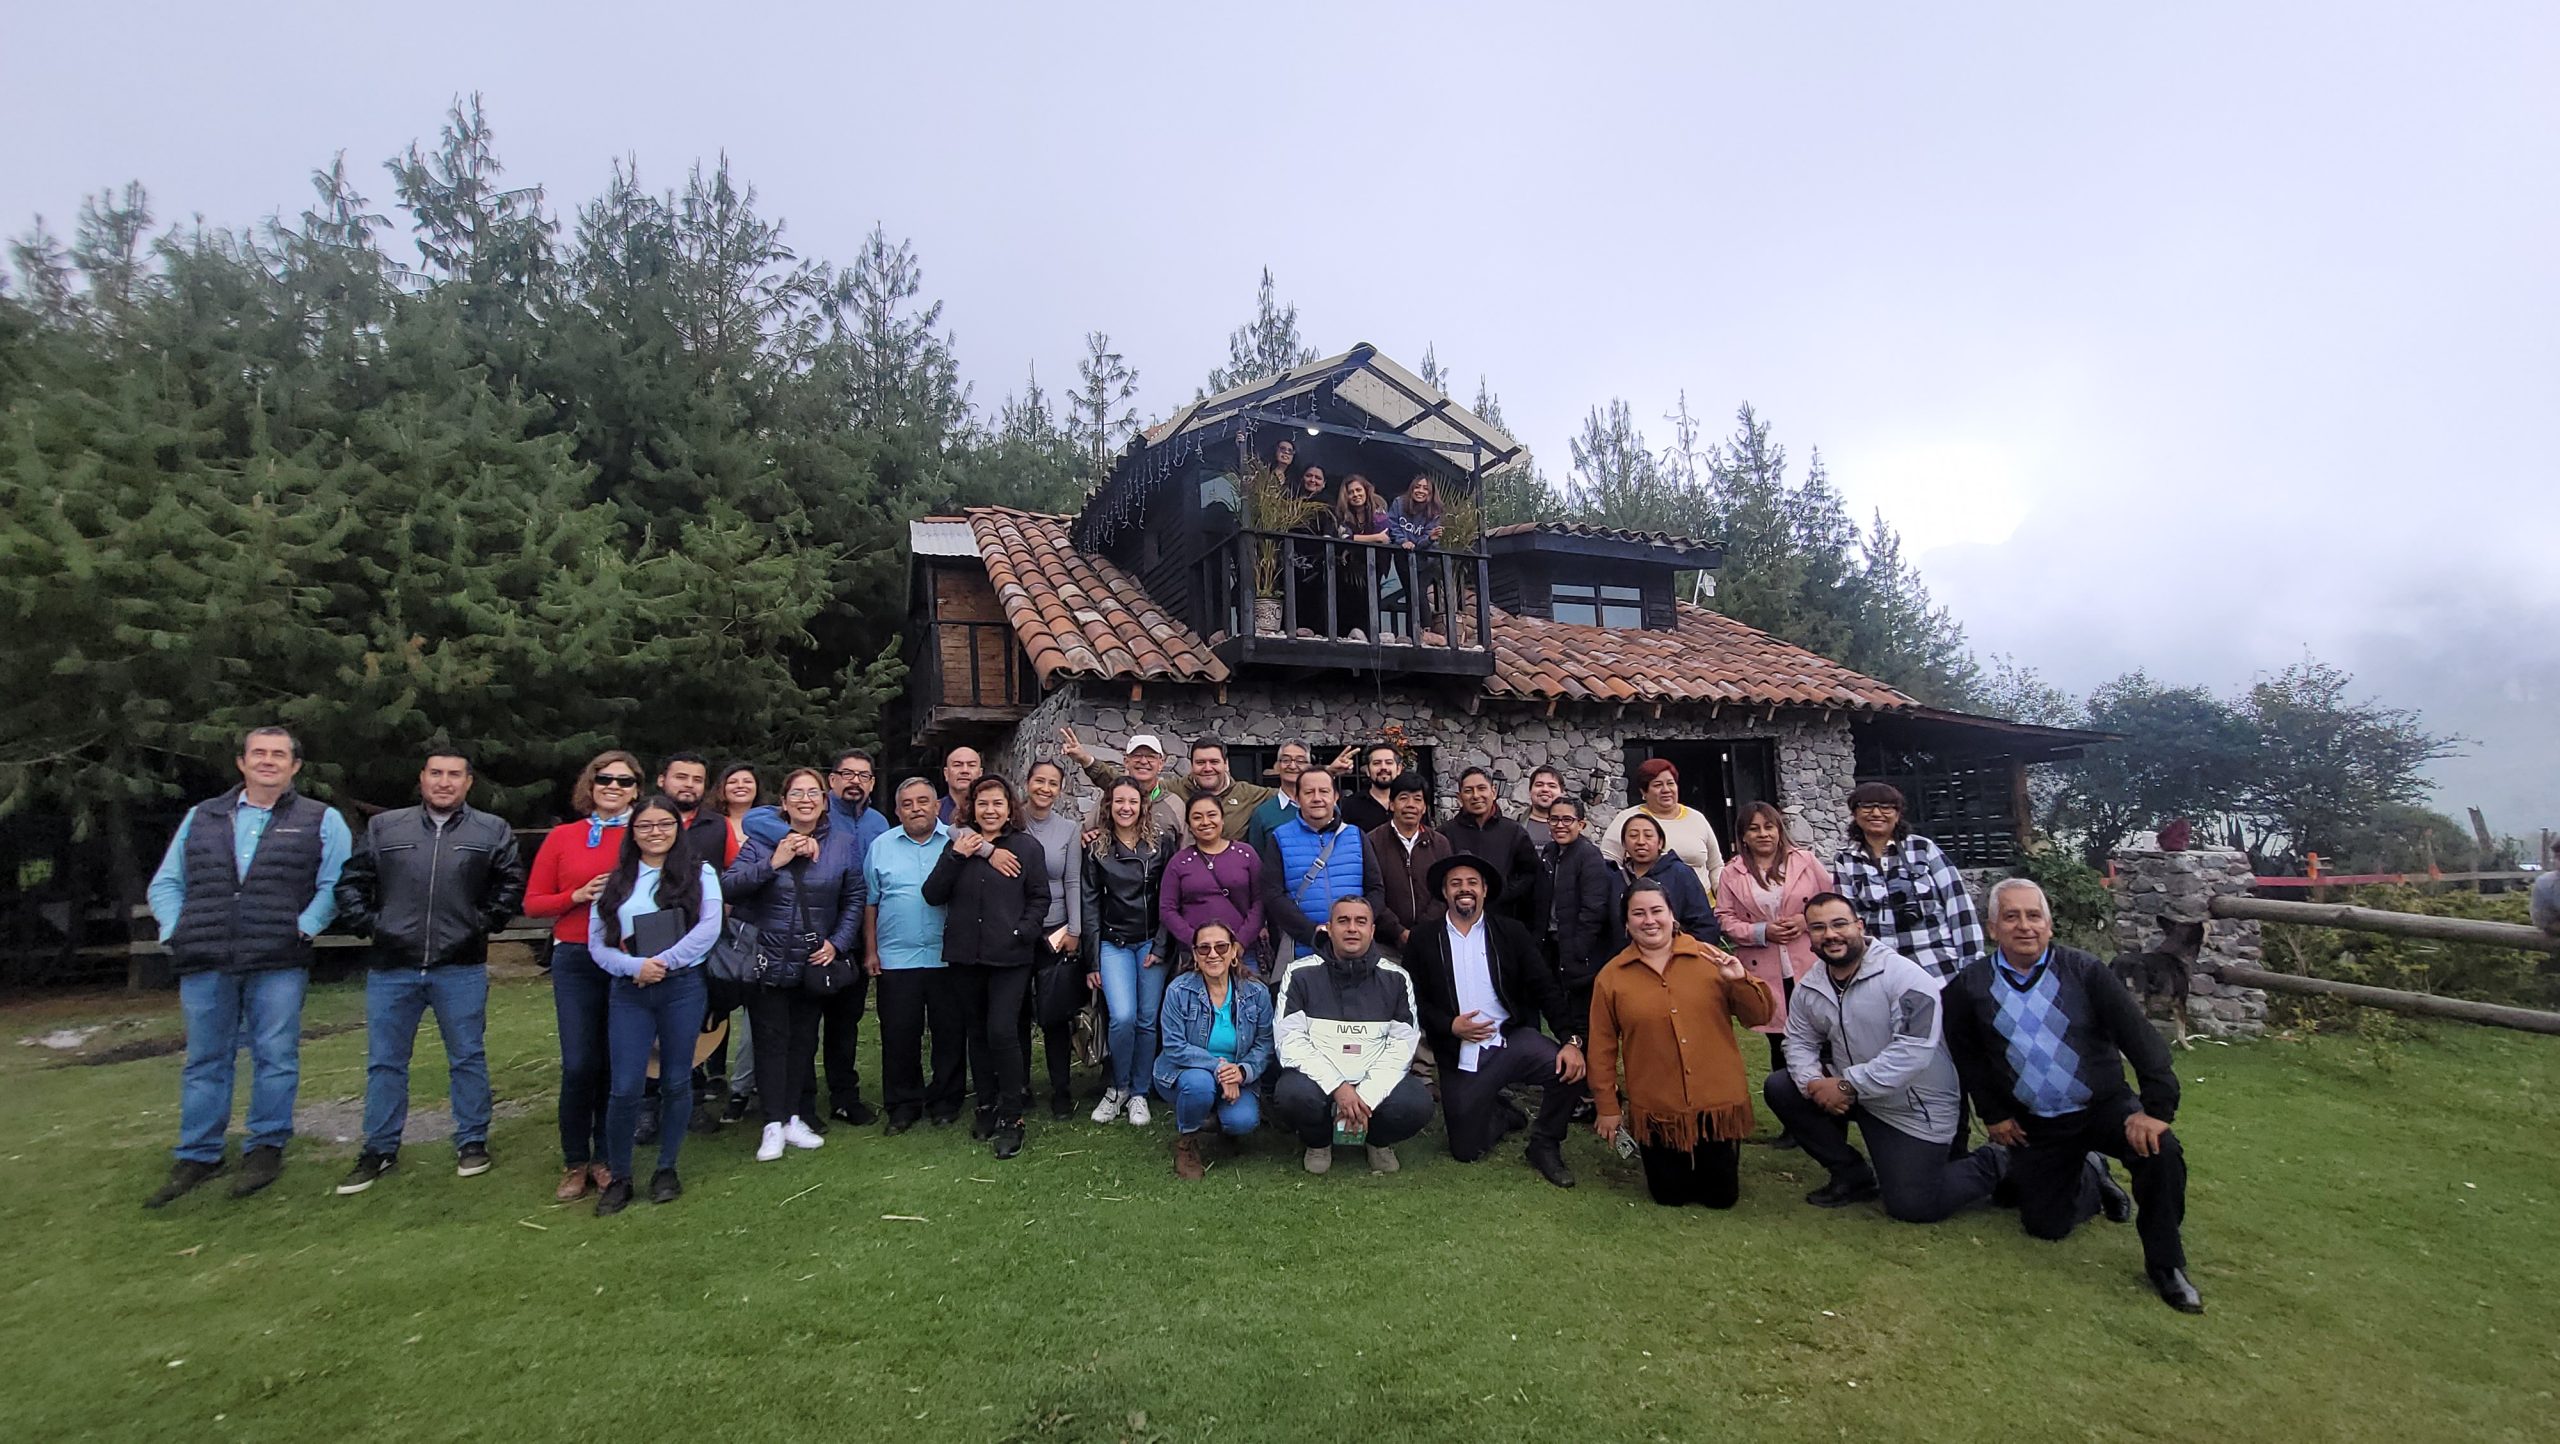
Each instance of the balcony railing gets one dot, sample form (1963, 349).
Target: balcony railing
(1286, 587)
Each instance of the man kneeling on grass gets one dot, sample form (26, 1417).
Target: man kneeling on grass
(2040, 1036)
(1864, 1046)
(1347, 1037)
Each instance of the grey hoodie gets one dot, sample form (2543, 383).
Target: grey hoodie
(1885, 1033)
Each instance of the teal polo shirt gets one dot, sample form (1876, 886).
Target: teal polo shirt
(893, 876)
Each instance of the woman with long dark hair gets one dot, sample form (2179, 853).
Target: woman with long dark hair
(1123, 875)
(735, 793)
(803, 892)
(1358, 516)
(1057, 981)
(992, 924)
(1688, 1105)
(567, 873)
(651, 926)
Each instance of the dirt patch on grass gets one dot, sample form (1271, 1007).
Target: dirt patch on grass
(136, 1049)
(341, 1121)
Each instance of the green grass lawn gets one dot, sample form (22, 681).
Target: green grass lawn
(2373, 1232)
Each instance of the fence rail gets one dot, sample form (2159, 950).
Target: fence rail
(1332, 587)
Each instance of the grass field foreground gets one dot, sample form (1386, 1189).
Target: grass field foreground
(2372, 1228)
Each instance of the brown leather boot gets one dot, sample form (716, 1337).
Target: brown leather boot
(1186, 1158)
(573, 1184)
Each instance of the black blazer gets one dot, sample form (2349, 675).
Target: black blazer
(1590, 921)
(988, 918)
(1528, 991)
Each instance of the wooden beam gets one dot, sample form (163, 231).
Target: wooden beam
(1221, 692)
(2425, 1005)
(1552, 704)
(2375, 920)
(1137, 691)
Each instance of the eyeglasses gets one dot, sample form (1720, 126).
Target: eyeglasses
(616, 779)
(664, 825)
(1880, 807)
(804, 794)
(851, 772)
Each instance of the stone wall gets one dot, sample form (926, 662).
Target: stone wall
(2150, 885)
(1815, 754)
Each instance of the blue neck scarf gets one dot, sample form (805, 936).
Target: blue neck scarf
(597, 825)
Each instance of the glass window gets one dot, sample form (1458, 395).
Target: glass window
(1597, 606)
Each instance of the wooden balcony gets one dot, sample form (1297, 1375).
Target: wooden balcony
(1281, 599)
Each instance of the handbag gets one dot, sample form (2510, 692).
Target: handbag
(1058, 989)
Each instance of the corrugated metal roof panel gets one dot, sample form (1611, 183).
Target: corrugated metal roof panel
(942, 536)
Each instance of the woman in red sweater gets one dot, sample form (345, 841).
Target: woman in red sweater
(567, 874)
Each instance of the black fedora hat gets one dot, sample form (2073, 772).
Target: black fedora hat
(1439, 875)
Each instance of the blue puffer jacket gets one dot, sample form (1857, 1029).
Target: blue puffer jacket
(829, 886)
(1289, 858)
(1183, 1030)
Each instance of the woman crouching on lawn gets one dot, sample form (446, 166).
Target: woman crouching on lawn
(1216, 1046)
(1688, 1105)
(993, 885)
(651, 927)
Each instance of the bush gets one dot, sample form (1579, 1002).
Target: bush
(2419, 965)
(2084, 908)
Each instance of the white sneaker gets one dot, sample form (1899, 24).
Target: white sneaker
(801, 1135)
(1382, 1160)
(1138, 1114)
(1319, 1160)
(1108, 1110)
(771, 1148)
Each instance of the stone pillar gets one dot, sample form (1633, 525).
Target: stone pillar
(2151, 885)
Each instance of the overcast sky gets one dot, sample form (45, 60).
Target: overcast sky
(2169, 336)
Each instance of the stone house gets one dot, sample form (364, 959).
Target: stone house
(1173, 602)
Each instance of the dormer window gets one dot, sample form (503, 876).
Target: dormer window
(1597, 606)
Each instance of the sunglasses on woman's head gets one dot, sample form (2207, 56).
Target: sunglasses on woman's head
(616, 779)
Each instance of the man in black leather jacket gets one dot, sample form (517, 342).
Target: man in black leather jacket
(430, 883)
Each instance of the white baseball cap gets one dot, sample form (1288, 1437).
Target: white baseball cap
(1146, 742)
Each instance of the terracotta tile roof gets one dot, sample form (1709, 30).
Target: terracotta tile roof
(1077, 614)
(1705, 657)
(1599, 533)
(1080, 616)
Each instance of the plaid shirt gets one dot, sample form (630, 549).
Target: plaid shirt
(1934, 925)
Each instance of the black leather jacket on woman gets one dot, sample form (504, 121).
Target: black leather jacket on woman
(988, 918)
(1120, 886)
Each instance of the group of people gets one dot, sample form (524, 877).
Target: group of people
(1322, 951)
(1362, 579)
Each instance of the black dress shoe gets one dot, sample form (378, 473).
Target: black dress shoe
(615, 1198)
(665, 1187)
(1548, 1160)
(984, 1124)
(1842, 1192)
(857, 1113)
(1784, 1142)
(1061, 1107)
(2113, 1201)
(1008, 1141)
(943, 1118)
(900, 1123)
(2176, 1292)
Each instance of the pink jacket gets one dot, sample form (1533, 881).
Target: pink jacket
(1746, 924)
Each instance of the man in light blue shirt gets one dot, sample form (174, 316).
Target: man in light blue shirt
(902, 936)
(248, 882)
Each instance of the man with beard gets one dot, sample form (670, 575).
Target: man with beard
(1370, 806)
(1169, 798)
(1483, 987)
(1865, 1044)
(686, 779)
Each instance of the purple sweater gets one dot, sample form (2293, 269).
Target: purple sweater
(1200, 889)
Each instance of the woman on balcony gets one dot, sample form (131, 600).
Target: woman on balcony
(1306, 558)
(1357, 515)
(1414, 523)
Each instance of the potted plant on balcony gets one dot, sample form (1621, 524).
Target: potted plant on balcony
(1271, 504)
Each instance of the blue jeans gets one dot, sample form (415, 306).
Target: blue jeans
(669, 1014)
(394, 999)
(261, 1011)
(1195, 1098)
(1133, 991)
(578, 992)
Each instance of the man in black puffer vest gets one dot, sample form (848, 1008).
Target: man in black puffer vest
(247, 883)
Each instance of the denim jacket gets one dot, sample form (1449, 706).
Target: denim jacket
(1188, 1017)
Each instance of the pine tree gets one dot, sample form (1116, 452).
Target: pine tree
(1262, 347)
(1099, 418)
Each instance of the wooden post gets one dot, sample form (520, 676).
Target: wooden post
(2375, 920)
